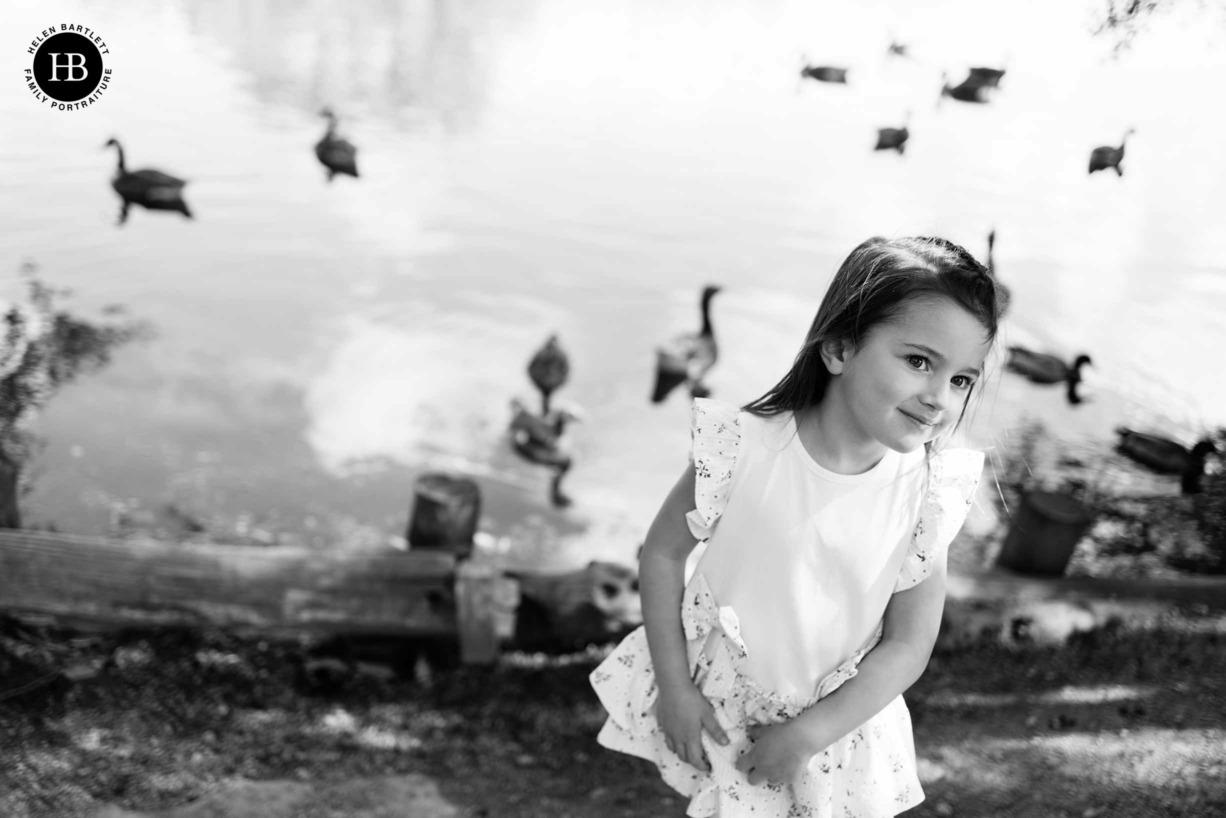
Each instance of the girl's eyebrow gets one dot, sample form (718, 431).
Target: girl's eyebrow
(938, 357)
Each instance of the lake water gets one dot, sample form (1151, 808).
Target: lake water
(543, 166)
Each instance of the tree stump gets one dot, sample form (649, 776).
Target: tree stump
(445, 513)
(1044, 533)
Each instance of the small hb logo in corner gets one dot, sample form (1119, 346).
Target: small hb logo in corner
(69, 69)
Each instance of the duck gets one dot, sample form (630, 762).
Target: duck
(1004, 295)
(336, 154)
(1105, 156)
(149, 188)
(548, 370)
(894, 138)
(688, 357)
(969, 90)
(987, 77)
(824, 73)
(1045, 369)
(1166, 456)
(541, 439)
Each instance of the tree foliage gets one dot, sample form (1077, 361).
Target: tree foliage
(1124, 19)
(43, 347)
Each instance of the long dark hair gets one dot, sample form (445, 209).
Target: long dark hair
(873, 285)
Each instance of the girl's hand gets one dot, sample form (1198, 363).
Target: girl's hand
(779, 754)
(683, 713)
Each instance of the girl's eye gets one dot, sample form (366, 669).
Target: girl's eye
(966, 383)
(918, 362)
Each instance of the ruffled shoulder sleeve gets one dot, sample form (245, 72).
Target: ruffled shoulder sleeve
(951, 490)
(716, 430)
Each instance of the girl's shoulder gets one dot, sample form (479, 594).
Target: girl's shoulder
(956, 466)
(726, 422)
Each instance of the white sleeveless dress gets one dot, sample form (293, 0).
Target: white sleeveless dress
(784, 597)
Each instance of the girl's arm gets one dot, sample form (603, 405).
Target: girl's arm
(912, 619)
(683, 712)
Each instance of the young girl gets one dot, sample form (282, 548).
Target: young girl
(769, 682)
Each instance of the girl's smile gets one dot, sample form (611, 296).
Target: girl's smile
(923, 424)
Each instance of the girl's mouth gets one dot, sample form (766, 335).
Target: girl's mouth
(920, 422)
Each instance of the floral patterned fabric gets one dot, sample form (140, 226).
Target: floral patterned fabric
(716, 430)
(869, 772)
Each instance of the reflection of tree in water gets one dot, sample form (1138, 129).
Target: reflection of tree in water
(42, 348)
(427, 57)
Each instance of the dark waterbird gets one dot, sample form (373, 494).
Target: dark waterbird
(969, 90)
(1041, 368)
(336, 154)
(151, 189)
(541, 439)
(549, 369)
(824, 73)
(1165, 456)
(688, 357)
(1105, 156)
(894, 138)
(986, 77)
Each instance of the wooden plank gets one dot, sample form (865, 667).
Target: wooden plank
(485, 611)
(276, 588)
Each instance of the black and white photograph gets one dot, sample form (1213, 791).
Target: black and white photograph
(561, 409)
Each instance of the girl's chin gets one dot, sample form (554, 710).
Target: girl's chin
(912, 441)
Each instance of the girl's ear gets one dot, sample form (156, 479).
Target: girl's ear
(835, 354)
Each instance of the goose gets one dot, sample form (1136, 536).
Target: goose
(824, 73)
(1041, 368)
(966, 91)
(986, 77)
(1004, 296)
(336, 154)
(688, 357)
(1165, 456)
(549, 369)
(151, 189)
(541, 439)
(1105, 156)
(894, 138)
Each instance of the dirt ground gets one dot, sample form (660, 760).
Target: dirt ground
(1119, 722)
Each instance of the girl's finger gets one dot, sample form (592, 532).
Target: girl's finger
(698, 759)
(683, 752)
(712, 727)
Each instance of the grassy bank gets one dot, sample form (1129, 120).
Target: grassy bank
(1120, 722)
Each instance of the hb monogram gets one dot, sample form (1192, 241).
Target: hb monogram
(71, 65)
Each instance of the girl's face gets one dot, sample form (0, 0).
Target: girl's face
(909, 379)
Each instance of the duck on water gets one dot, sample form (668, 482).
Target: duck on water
(335, 153)
(688, 357)
(548, 370)
(1042, 368)
(149, 188)
(542, 439)
(1166, 456)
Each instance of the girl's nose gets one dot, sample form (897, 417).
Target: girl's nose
(936, 397)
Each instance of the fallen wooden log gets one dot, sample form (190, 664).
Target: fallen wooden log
(96, 583)
(144, 582)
